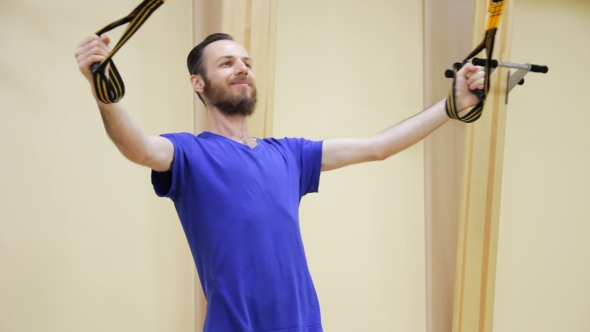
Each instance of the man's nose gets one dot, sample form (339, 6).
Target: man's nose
(241, 68)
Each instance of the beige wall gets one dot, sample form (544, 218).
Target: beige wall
(351, 69)
(543, 267)
(85, 245)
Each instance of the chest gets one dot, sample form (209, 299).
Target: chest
(264, 172)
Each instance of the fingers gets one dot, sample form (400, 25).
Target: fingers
(476, 80)
(106, 39)
(469, 77)
(474, 76)
(92, 49)
(92, 45)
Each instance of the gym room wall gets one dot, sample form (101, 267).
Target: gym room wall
(85, 244)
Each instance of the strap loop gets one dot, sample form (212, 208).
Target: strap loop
(108, 83)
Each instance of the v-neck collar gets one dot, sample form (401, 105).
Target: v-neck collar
(242, 145)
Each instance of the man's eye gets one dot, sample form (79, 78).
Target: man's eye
(248, 65)
(227, 63)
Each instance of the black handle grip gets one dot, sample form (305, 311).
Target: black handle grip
(450, 73)
(94, 66)
(539, 69)
(482, 62)
(479, 93)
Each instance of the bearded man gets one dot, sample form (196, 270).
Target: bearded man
(238, 197)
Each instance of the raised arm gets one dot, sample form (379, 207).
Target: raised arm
(337, 153)
(154, 152)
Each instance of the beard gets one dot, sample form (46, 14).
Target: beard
(229, 103)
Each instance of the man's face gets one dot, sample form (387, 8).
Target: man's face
(229, 79)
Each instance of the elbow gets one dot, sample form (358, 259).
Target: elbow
(371, 150)
(138, 158)
(380, 155)
(377, 150)
(152, 160)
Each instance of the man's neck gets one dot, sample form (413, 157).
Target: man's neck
(233, 127)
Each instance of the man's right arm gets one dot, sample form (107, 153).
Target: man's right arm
(154, 152)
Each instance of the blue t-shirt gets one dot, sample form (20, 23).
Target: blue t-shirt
(239, 207)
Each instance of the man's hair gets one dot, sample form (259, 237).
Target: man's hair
(195, 57)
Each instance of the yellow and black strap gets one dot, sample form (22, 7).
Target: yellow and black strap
(495, 10)
(108, 83)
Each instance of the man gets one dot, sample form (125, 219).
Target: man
(238, 196)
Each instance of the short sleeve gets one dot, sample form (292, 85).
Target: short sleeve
(309, 156)
(169, 183)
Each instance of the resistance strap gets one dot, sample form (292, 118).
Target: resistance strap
(495, 10)
(109, 86)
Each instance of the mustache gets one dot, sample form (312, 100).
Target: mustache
(242, 81)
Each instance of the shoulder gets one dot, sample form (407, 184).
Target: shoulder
(186, 143)
(287, 141)
(179, 137)
(186, 138)
(294, 144)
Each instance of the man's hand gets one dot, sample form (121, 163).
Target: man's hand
(470, 77)
(92, 49)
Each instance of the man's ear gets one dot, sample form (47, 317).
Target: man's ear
(198, 83)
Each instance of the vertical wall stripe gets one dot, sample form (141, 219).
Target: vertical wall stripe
(248, 25)
(206, 20)
(272, 51)
(465, 231)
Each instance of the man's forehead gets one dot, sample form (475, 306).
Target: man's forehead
(225, 48)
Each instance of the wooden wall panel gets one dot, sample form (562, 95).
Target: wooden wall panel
(463, 175)
(447, 39)
(481, 191)
(252, 23)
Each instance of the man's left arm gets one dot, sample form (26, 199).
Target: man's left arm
(337, 153)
